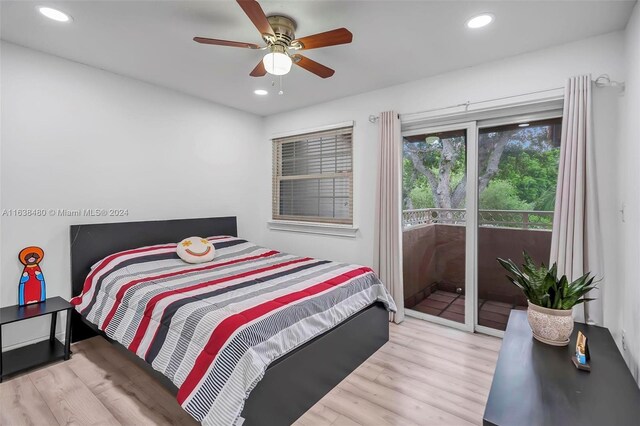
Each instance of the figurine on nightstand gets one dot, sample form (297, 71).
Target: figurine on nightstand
(32, 288)
(581, 358)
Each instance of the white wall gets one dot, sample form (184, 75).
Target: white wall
(92, 139)
(628, 233)
(540, 70)
(76, 137)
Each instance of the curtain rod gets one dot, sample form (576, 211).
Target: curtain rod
(602, 81)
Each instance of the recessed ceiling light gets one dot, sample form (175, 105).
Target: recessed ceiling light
(260, 92)
(480, 21)
(54, 14)
(523, 125)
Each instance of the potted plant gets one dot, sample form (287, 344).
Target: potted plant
(550, 299)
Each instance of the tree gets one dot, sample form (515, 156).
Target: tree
(533, 173)
(448, 157)
(524, 159)
(421, 197)
(501, 195)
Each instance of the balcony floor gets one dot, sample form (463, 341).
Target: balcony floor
(450, 305)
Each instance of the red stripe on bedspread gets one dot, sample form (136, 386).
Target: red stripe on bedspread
(121, 292)
(228, 327)
(89, 280)
(148, 311)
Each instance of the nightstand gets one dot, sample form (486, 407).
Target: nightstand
(36, 354)
(537, 384)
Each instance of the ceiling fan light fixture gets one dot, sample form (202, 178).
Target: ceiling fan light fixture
(278, 32)
(277, 62)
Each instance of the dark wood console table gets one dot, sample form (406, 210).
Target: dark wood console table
(537, 384)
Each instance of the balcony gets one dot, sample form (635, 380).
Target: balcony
(434, 260)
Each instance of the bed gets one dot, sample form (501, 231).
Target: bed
(256, 336)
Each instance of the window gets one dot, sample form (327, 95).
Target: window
(312, 177)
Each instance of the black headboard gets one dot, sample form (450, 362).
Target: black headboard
(92, 242)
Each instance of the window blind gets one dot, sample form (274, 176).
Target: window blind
(312, 177)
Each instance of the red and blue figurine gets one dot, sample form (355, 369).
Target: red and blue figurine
(32, 288)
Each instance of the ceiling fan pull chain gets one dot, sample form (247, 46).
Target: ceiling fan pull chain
(281, 92)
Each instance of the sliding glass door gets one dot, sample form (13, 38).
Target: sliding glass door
(517, 177)
(473, 192)
(435, 205)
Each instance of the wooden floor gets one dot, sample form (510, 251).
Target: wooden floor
(425, 375)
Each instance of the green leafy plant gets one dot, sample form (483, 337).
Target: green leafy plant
(542, 287)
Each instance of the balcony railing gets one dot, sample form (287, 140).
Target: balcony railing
(520, 219)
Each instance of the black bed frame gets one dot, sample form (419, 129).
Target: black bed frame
(293, 383)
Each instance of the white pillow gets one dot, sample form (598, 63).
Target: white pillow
(196, 250)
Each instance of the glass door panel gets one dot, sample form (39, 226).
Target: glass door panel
(517, 177)
(434, 214)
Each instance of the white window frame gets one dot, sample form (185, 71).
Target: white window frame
(522, 109)
(310, 226)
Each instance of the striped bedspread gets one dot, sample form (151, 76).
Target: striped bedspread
(213, 328)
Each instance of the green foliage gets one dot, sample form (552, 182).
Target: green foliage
(547, 200)
(532, 170)
(542, 287)
(422, 197)
(502, 195)
(525, 179)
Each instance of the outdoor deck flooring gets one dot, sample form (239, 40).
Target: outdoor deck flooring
(450, 305)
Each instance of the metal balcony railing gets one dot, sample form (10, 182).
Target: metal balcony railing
(520, 219)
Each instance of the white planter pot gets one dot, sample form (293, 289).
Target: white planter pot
(550, 326)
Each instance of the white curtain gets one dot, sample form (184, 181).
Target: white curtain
(388, 226)
(575, 242)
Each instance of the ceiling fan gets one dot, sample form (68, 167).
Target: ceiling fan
(278, 32)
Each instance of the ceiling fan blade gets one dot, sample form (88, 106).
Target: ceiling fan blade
(217, 42)
(312, 66)
(259, 70)
(329, 38)
(256, 14)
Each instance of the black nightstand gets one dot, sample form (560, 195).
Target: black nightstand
(40, 353)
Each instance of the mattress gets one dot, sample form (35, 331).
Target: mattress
(213, 328)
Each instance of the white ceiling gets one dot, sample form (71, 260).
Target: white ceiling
(394, 41)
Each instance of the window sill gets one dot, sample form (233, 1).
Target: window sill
(335, 230)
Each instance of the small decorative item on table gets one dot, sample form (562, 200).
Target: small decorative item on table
(32, 288)
(581, 358)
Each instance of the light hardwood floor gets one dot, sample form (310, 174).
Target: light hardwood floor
(425, 375)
